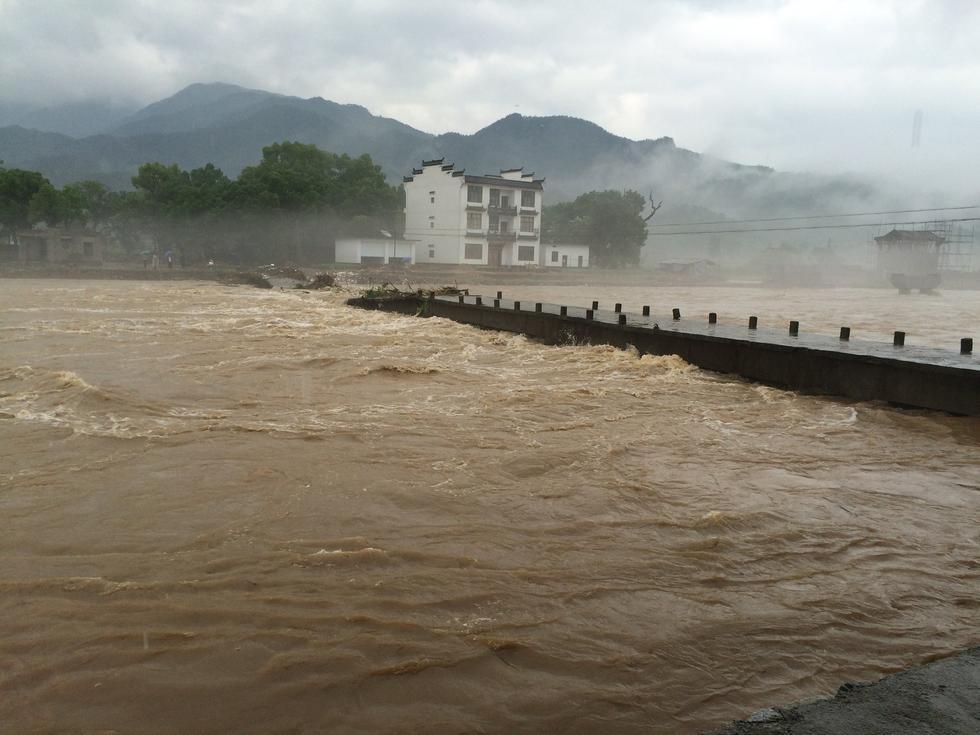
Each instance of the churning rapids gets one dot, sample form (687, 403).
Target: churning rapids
(229, 510)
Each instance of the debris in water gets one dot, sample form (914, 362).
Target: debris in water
(248, 278)
(320, 281)
(389, 291)
(283, 271)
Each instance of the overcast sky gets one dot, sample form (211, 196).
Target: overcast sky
(796, 84)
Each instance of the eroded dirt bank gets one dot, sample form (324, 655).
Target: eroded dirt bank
(941, 698)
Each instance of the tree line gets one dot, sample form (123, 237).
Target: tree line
(290, 206)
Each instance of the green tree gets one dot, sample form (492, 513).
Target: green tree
(300, 177)
(161, 188)
(609, 222)
(96, 203)
(185, 210)
(53, 207)
(309, 196)
(17, 189)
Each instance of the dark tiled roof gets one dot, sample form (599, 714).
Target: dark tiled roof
(537, 184)
(433, 162)
(911, 235)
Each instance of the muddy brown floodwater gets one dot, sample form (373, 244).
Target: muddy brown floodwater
(230, 510)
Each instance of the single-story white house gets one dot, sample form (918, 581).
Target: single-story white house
(565, 256)
(372, 250)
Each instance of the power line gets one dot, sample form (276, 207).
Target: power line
(813, 216)
(808, 227)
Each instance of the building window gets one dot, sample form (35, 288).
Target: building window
(527, 223)
(432, 251)
(432, 225)
(495, 197)
(494, 222)
(474, 251)
(525, 253)
(554, 256)
(474, 220)
(432, 200)
(474, 194)
(527, 198)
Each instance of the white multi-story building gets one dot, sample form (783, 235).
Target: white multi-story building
(452, 217)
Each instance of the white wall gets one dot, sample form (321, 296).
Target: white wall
(572, 252)
(440, 223)
(354, 249)
(347, 251)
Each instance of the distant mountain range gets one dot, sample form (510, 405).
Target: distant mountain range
(228, 125)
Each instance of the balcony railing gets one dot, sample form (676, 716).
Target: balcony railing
(498, 235)
(508, 209)
(529, 235)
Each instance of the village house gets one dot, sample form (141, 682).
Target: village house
(59, 245)
(565, 255)
(452, 217)
(910, 259)
(373, 250)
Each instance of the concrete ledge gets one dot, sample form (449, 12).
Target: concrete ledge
(915, 377)
(941, 698)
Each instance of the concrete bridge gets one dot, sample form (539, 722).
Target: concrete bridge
(918, 377)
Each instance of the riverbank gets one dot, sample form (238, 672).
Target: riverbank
(940, 698)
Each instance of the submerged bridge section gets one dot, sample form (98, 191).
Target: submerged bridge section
(919, 377)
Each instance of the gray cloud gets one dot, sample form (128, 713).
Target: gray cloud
(794, 84)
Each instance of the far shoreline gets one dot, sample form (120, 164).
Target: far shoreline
(468, 275)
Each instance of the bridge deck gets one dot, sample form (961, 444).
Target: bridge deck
(701, 328)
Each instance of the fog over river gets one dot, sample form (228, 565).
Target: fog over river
(232, 510)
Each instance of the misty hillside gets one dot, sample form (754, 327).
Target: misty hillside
(228, 126)
(75, 119)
